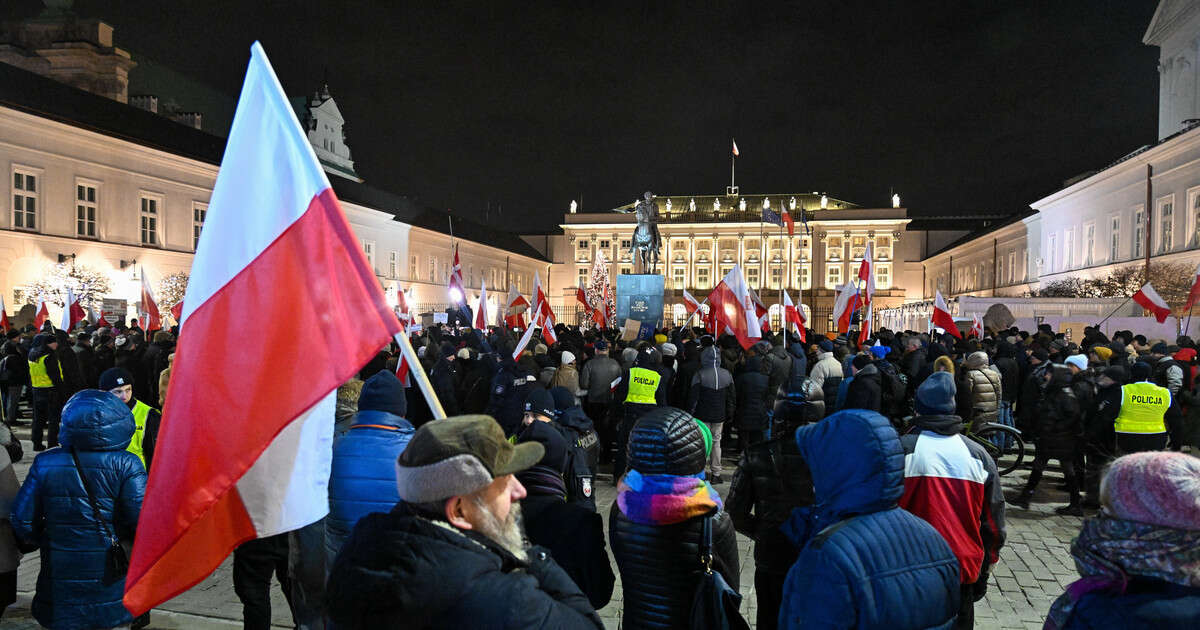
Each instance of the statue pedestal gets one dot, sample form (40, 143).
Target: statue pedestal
(640, 298)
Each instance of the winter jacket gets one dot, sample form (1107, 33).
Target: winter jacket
(597, 377)
(754, 396)
(510, 388)
(444, 378)
(409, 570)
(713, 398)
(1060, 421)
(771, 480)
(566, 376)
(864, 392)
(951, 482)
(685, 370)
(800, 406)
(864, 562)
(658, 563)
(363, 473)
(87, 365)
(827, 374)
(574, 535)
(1145, 604)
(52, 513)
(1010, 373)
(781, 368)
(984, 388)
(798, 373)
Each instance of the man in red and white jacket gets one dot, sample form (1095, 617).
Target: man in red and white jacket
(951, 482)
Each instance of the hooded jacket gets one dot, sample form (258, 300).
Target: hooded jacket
(862, 558)
(510, 388)
(1059, 417)
(52, 513)
(712, 398)
(864, 391)
(799, 370)
(983, 388)
(781, 368)
(827, 374)
(363, 473)
(754, 396)
(408, 570)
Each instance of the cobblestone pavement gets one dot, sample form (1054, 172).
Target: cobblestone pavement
(1034, 567)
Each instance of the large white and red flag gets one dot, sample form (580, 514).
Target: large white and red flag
(977, 326)
(1149, 299)
(541, 314)
(690, 303)
(458, 294)
(941, 316)
(4, 323)
(481, 310)
(517, 305)
(581, 297)
(731, 306)
(760, 309)
(844, 304)
(73, 312)
(41, 314)
(402, 369)
(793, 315)
(246, 446)
(1194, 294)
(148, 311)
(600, 313)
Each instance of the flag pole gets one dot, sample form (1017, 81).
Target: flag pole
(689, 317)
(1188, 325)
(1114, 311)
(783, 277)
(417, 372)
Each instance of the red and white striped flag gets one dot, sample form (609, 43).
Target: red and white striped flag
(732, 306)
(542, 315)
(402, 369)
(1150, 300)
(148, 311)
(844, 304)
(245, 447)
(1194, 294)
(793, 315)
(690, 303)
(73, 312)
(977, 326)
(481, 311)
(41, 314)
(458, 295)
(4, 323)
(735, 151)
(941, 316)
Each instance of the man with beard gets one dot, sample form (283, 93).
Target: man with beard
(120, 382)
(452, 554)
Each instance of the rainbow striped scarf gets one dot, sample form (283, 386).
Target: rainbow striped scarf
(664, 499)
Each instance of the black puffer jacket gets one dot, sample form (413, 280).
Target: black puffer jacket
(658, 562)
(799, 370)
(712, 397)
(754, 394)
(772, 479)
(800, 406)
(1060, 420)
(864, 390)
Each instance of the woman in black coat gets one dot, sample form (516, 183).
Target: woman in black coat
(656, 542)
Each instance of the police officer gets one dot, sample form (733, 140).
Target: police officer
(119, 382)
(45, 374)
(641, 389)
(510, 388)
(1141, 422)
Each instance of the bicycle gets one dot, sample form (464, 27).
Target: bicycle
(1003, 443)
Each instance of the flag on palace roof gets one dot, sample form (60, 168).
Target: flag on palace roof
(245, 445)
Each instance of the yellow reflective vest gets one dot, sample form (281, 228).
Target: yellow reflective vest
(38, 375)
(1143, 406)
(642, 385)
(140, 412)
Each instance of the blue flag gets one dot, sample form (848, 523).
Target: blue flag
(772, 217)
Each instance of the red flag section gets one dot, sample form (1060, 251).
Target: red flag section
(731, 306)
(793, 315)
(41, 315)
(844, 305)
(941, 316)
(4, 323)
(1194, 294)
(244, 445)
(148, 311)
(1149, 299)
(481, 310)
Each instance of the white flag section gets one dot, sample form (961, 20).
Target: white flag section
(1149, 299)
(244, 448)
(481, 309)
(733, 307)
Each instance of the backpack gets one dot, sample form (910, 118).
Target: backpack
(581, 481)
(892, 390)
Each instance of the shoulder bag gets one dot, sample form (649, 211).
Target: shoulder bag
(715, 603)
(116, 561)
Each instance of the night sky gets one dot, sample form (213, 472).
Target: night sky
(962, 107)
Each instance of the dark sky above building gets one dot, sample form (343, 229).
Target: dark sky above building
(961, 107)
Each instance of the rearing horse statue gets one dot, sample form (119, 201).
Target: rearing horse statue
(645, 243)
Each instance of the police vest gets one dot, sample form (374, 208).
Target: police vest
(1143, 406)
(38, 375)
(642, 385)
(140, 412)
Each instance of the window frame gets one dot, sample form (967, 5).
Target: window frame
(1139, 234)
(1164, 210)
(369, 251)
(93, 204)
(26, 171)
(833, 276)
(1114, 240)
(394, 264)
(1089, 244)
(159, 212)
(198, 224)
(1193, 196)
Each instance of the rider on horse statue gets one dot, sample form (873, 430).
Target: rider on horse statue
(646, 243)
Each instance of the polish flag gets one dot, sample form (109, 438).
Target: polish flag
(690, 303)
(516, 302)
(41, 315)
(1194, 294)
(524, 341)
(177, 311)
(405, 319)
(977, 326)
(481, 310)
(1148, 298)
(787, 220)
(73, 312)
(581, 297)
(542, 314)
(600, 313)
(458, 295)
(148, 313)
(277, 246)
(760, 309)
(735, 151)
(731, 306)
(793, 315)
(4, 323)
(941, 316)
(844, 305)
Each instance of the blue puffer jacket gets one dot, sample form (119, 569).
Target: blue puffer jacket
(52, 513)
(363, 475)
(864, 562)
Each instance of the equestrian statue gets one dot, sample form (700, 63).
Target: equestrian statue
(645, 243)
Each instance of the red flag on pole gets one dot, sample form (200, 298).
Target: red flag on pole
(1149, 299)
(275, 244)
(844, 305)
(793, 315)
(405, 320)
(177, 311)
(148, 312)
(690, 303)
(731, 306)
(481, 311)
(41, 315)
(977, 326)
(941, 316)
(4, 323)
(458, 295)
(1194, 294)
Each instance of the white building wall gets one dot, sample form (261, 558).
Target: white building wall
(1175, 29)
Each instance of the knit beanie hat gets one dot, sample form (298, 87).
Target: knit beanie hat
(566, 358)
(1078, 360)
(825, 345)
(1102, 352)
(1140, 371)
(563, 398)
(861, 361)
(541, 402)
(113, 378)
(1041, 355)
(1159, 488)
(383, 392)
(935, 397)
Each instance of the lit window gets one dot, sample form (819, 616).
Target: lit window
(680, 273)
(803, 272)
(433, 268)
(1114, 240)
(883, 277)
(25, 200)
(412, 267)
(199, 214)
(776, 276)
(752, 277)
(1139, 235)
(1089, 243)
(1166, 220)
(702, 278)
(833, 276)
(149, 220)
(1195, 219)
(85, 210)
(583, 277)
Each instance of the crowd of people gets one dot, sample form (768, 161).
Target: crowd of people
(856, 476)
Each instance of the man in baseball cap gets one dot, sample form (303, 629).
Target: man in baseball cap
(452, 552)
